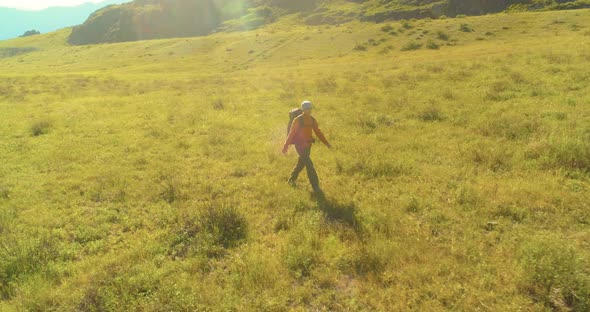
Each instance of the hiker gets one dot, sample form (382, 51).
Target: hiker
(300, 134)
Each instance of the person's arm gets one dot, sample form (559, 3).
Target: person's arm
(291, 136)
(320, 134)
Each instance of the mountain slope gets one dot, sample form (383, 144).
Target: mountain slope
(14, 23)
(152, 19)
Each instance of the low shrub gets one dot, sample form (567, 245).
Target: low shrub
(41, 127)
(465, 28)
(360, 47)
(218, 104)
(387, 28)
(407, 24)
(432, 45)
(441, 35)
(412, 45)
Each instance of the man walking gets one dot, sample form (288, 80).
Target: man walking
(301, 135)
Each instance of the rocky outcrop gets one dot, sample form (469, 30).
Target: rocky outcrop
(152, 19)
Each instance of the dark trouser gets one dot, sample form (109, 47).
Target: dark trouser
(305, 161)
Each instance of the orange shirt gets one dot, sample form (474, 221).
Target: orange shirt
(301, 133)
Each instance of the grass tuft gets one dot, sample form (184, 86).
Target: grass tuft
(226, 225)
(555, 273)
(431, 113)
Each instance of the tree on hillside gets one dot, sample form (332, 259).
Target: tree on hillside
(30, 33)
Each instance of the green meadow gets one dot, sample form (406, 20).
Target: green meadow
(147, 176)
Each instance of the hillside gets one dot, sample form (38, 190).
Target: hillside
(147, 176)
(156, 19)
(14, 23)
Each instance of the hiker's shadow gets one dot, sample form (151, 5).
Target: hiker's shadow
(338, 212)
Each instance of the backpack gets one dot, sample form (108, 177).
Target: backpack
(294, 113)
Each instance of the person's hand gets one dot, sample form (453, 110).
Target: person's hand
(329, 145)
(285, 149)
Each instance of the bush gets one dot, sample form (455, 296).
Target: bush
(410, 46)
(386, 49)
(218, 104)
(442, 35)
(556, 274)
(41, 127)
(432, 45)
(387, 28)
(373, 42)
(407, 25)
(465, 28)
(360, 47)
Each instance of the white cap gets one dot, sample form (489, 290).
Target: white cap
(306, 105)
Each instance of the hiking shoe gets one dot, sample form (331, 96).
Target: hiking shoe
(292, 183)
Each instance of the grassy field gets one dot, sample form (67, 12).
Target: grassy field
(147, 176)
